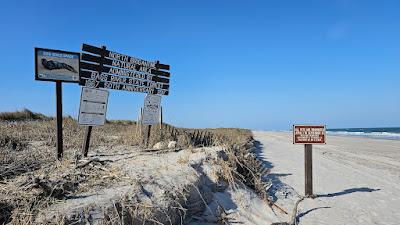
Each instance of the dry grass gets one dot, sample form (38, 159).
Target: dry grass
(183, 159)
(32, 178)
(24, 114)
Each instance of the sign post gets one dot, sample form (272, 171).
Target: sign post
(308, 182)
(57, 66)
(161, 122)
(151, 113)
(308, 135)
(59, 119)
(92, 112)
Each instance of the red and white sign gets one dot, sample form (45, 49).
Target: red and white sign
(309, 134)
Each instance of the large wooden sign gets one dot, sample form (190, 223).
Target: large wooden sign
(309, 134)
(93, 107)
(151, 109)
(56, 65)
(101, 68)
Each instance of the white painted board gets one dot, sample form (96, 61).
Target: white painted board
(151, 109)
(93, 107)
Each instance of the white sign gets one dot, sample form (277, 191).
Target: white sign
(151, 109)
(93, 108)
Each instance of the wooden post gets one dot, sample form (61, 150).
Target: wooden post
(86, 142)
(137, 124)
(141, 123)
(308, 170)
(161, 122)
(88, 132)
(59, 145)
(148, 135)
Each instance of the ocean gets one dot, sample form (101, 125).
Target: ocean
(390, 133)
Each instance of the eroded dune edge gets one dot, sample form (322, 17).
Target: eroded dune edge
(188, 176)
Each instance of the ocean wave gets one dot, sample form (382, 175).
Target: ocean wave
(381, 135)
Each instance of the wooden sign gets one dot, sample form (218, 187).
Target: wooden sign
(309, 134)
(101, 68)
(93, 107)
(151, 109)
(56, 65)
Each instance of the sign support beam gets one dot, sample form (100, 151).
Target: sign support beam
(86, 142)
(88, 132)
(148, 135)
(161, 122)
(308, 170)
(60, 151)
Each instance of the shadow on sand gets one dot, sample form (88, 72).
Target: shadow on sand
(274, 178)
(308, 211)
(347, 191)
(282, 188)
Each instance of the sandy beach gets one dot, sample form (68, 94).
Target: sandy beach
(356, 179)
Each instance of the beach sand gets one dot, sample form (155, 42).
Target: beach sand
(357, 180)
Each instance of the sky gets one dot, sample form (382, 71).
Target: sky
(262, 65)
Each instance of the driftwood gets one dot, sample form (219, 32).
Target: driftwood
(93, 160)
(293, 218)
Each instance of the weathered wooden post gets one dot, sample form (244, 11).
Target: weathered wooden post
(308, 135)
(141, 123)
(59, 119)
(148, 135)
(86, 141)
(161, 123)
(308, 170)
(137, 124)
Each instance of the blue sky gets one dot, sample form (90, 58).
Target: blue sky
(252, 64)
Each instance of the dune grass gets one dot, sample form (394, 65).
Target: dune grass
(27, 143)
(22, 115)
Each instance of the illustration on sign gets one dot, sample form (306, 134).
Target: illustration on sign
(309, 134)
(151, 110)
(56, 65)
(101, 68)
(93, 107)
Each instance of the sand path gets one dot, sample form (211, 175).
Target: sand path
(357, 179)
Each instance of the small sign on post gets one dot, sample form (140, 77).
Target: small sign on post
(151, 109)
(58, 66)
(309, 135)
(92, 112)
(151, 112)
(93, 107)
